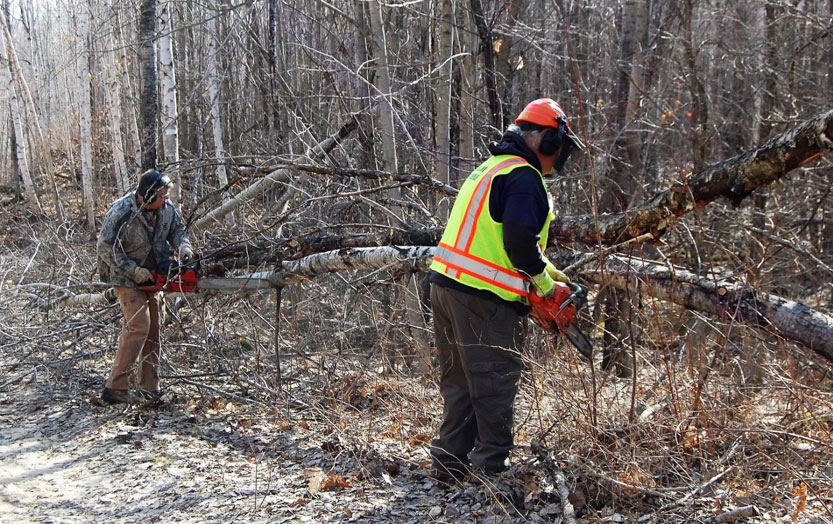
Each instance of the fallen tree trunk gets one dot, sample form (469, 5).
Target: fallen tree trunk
(734, 179)
(721, 298)
(716, 295)
(274, 252)
(403, 258)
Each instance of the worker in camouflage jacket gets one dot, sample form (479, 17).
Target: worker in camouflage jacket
(137, 235)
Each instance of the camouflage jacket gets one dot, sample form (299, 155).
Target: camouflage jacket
(129, 238)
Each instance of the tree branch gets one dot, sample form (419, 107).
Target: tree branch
(734, 179)
(719, 297)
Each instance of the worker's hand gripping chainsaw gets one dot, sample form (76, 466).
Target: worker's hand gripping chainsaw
(173, 277)
(558, 312)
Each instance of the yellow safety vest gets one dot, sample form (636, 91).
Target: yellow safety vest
(471, 249)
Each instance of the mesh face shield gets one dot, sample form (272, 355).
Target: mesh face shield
(569, 143)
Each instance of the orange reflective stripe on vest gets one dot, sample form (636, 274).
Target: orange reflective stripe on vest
(478, 200)
(481, 268)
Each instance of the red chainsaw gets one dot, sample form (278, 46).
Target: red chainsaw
(558, 312)
(173, 278)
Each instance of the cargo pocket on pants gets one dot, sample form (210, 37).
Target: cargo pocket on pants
(493, 379)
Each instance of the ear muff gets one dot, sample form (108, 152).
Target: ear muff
(550, 141)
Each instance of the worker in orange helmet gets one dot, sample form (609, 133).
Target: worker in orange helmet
(489, 257)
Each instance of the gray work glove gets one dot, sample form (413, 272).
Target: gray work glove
(185, 254)
(142, 275)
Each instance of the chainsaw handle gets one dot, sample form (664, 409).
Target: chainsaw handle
(579, 294)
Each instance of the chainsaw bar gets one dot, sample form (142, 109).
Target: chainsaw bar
(580, 341)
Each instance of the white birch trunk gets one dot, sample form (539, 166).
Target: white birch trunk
(85, 116)
(169, 116)
(23, 90)
(214, 83)
(20, 150)
(29, 192)
(113, 96)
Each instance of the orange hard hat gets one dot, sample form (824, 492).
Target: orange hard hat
(546, 112)
(543, 112)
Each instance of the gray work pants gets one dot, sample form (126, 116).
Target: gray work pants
(478, 342)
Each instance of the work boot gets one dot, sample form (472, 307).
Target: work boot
(121, 396)
(449, 474)
(150, 396)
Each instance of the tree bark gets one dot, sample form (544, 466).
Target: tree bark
(442, 126)
(149, 106)
(214, 85)
(734, 179)
(383, 82)
(719, 297)
(699, 107)
(272, 113)
(134, 149)
(113, 96)
(487, 45)
(85, 118)
(169, 114)
(29, 191)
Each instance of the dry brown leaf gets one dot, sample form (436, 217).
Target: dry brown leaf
(334, 482)
(419, 440)
(800, 494)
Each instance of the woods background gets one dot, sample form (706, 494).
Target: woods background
(357, 119)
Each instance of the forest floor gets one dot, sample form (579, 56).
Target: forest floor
(344, 437)
(204, 457)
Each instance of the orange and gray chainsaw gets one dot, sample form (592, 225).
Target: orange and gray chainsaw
(173, 278)
(558, 312)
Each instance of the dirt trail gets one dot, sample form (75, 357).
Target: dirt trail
(67, 459)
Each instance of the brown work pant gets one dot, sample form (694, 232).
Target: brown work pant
(478, 344)
(139, 339)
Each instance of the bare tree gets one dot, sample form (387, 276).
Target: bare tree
(169, 114)
(23, 91)
(214, 89)
(383, 96)
(85, 115)
(18, 139)
(149, 103)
